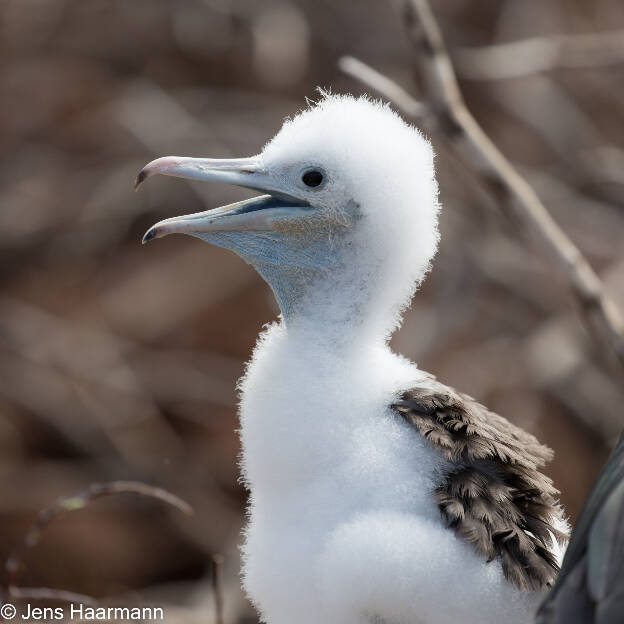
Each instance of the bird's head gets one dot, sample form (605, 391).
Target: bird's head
(347, 226)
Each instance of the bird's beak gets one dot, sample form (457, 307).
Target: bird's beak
(257, 213)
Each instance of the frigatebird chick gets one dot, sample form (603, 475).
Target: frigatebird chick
(377, 494)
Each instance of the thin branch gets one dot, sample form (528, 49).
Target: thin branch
(539, 54)
(445, 100)
(384, 86)
(73, 503)
(47, 593)
(217, 589)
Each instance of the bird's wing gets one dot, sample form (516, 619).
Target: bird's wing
(590, 587)
(493, 495)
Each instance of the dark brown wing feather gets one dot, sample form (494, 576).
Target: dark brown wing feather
(493, 495)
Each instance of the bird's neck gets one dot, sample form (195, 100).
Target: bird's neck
(290, 286)
(332, 305)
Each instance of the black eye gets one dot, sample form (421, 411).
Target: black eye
(312, 178)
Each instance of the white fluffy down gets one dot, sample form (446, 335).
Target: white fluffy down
(343, 528)
(372, 158)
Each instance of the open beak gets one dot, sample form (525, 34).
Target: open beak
(257, 213)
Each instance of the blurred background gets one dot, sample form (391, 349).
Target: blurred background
(119, 361)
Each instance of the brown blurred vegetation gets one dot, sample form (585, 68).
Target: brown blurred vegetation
(120, 362)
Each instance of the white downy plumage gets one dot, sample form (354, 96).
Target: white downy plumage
(343, 526)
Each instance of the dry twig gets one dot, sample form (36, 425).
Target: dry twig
(450, 114)
(59, 508)
(538, 54)
(217, 590)
(383, 85)
(47, 593)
